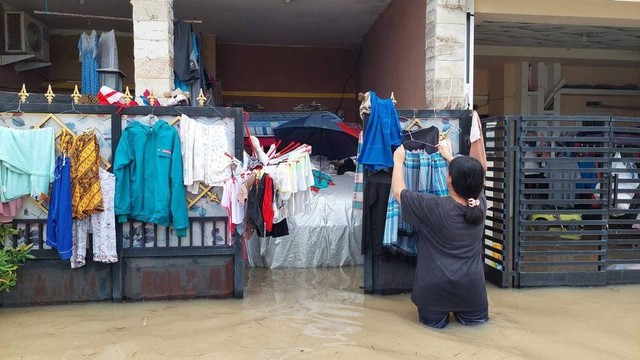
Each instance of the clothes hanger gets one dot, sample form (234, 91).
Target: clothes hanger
(414, 122)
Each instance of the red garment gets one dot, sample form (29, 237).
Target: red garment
(267, 203)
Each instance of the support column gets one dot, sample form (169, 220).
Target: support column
(153, 45)
(448, 83)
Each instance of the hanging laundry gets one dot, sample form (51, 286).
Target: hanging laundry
(27, 163)
(232, 200)
(184, 52)
(102, 225)
(59, 218)
(88, 50)
(84, 152)
(426, 174)
(382, 134)
(149, 176)
(108, 50)
(204, 147)
(9, 210)
(477, 149)
(321, 180)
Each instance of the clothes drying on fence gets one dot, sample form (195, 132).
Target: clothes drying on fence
(234, 198)
(9, 210)
(149, 176)
(425, 174)
(84, 153)
(382, 134)
(204, 147)
(477, 149)
(60, 216)
(88, 50)
(27, 163)
(102, 225)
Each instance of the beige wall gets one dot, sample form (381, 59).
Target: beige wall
(576, 75)
(393, 55)
(481, 90)
(588, 12)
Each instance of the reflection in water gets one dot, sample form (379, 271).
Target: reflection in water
(323, 314)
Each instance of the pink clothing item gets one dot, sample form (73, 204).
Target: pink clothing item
(9, 210)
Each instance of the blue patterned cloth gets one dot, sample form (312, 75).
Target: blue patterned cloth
(88, 48)
(426, 174)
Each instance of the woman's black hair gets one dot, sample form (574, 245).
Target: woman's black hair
(467, 179)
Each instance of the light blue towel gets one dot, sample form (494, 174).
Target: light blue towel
(27, 162)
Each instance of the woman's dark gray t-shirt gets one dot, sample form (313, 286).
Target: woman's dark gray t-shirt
(449, 271)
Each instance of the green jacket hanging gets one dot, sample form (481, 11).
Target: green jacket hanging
(149, 182)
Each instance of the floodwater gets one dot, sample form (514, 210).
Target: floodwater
(323, 314)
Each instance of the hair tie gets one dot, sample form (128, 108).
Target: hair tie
(474, 202)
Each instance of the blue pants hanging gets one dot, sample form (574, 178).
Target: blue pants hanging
(59, 220)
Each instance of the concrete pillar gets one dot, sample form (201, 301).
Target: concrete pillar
(153, 45)
(446, 68)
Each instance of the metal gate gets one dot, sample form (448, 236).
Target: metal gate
(623, 250)
(576, 193)
(498, 190)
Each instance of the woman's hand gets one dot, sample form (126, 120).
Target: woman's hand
(445, 151)
(399, 155)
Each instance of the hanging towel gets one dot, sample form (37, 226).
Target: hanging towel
(382, 134)
(27, 163)
(9, 210)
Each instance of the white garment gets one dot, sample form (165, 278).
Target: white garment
(229, 201)
(103, 226)
(203, 151)
(475, 133)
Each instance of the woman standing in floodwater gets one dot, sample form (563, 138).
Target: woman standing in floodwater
(449, 271)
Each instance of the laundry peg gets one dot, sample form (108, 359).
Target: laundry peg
(23, 94)
(49, 94)
(393, 98)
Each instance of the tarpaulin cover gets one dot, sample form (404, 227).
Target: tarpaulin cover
(328, 235)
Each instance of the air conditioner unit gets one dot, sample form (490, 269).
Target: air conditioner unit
(25, 35)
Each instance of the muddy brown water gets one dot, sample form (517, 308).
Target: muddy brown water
(323, 314)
